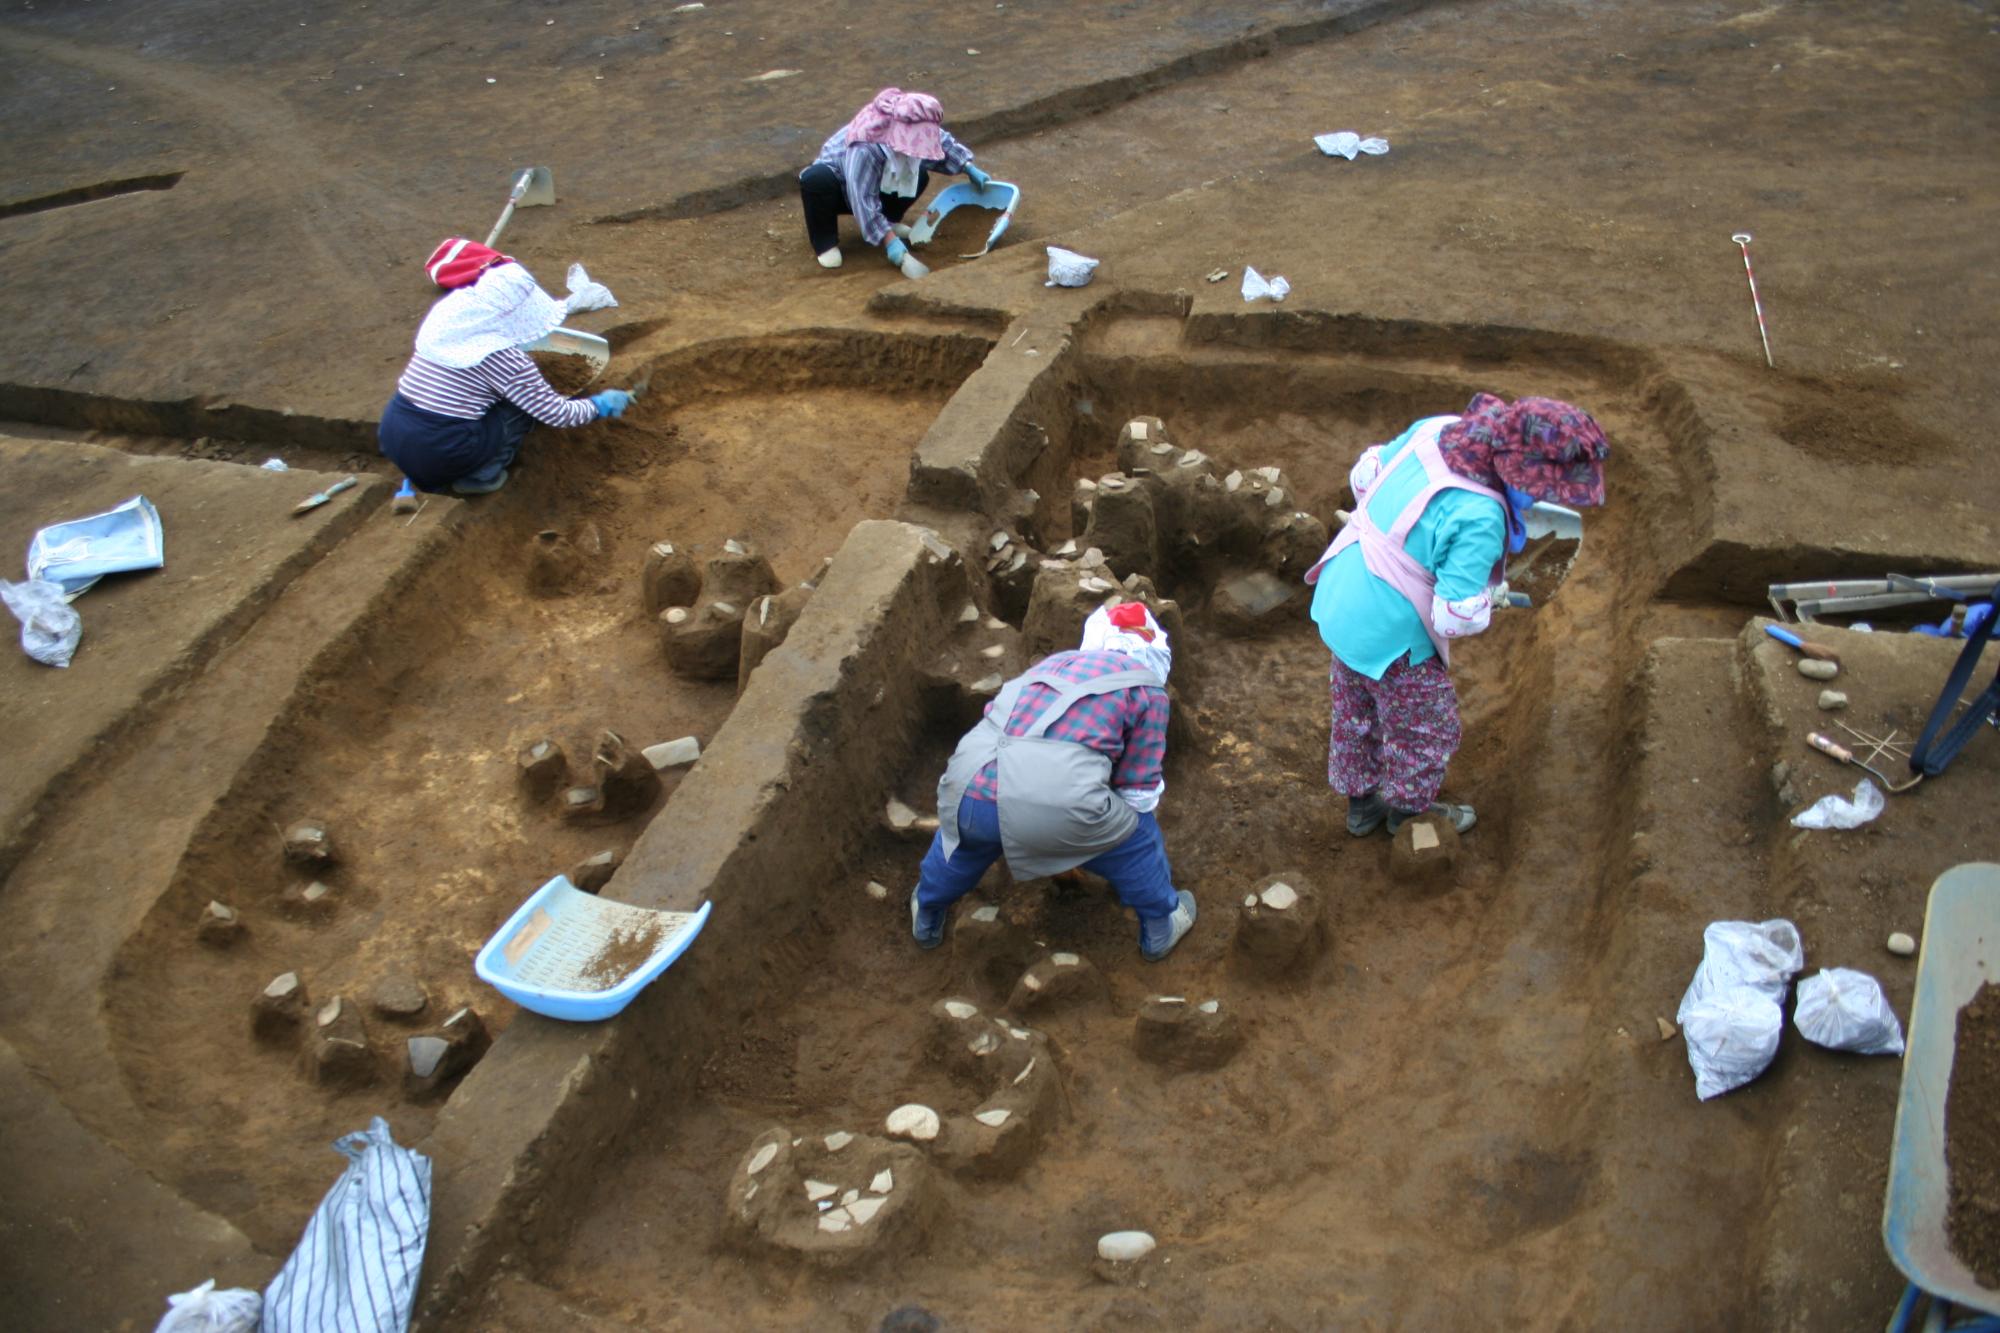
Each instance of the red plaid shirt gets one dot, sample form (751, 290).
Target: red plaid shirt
(1130, 724)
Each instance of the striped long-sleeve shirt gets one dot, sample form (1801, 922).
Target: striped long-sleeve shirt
(509, 373)
(860, 169)
(1130, 725)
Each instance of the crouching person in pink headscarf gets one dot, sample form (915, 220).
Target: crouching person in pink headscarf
(1422, 562)
(1065, 771)
(874, 167)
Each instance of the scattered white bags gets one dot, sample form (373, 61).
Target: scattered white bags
(1346, 143)
(356, 1267)
(1840, 812)
(50, 626)
(585, 294)
(1257, 287)
(1067, 268)
(1733, 1014)
(206, 1310)
(1845, 1010)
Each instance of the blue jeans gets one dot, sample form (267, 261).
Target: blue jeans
(1137, 867)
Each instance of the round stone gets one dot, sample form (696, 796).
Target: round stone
(1814, 669)
(1902, 944)
(1123, 1247)
(1281, 897)
(913, 1121)
(878, 890)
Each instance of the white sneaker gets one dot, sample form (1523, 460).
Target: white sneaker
(830, 258)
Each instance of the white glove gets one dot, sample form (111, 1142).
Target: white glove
(1143, 799)
(1466, 616)
(1367, 470)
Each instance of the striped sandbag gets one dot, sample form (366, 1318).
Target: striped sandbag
(355, 1270)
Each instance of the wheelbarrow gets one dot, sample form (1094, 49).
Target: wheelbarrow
(1961, 953)
(998, 195)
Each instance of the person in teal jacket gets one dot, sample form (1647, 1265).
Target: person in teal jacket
(1420, 563)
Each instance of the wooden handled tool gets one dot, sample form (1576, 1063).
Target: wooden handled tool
(1806, 647)
(1829, 746)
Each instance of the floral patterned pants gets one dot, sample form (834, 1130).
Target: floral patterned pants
(1394, 735)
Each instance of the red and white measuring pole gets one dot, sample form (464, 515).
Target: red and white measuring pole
(1742, 239)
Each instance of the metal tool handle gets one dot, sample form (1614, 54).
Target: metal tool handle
(513, 199)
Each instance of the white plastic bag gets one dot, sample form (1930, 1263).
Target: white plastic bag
(1067, 268)
(356, 1266)
(1346, 143)
(1257, 287)
(585, 294)
(1840, 812)
(206, 1310)
(50, 626)
(1845, 1010)
(78, 553)
(1732, 1014)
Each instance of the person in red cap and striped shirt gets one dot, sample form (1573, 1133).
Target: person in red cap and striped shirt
(469, 394)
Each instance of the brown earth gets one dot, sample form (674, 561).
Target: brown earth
(1972, 1137)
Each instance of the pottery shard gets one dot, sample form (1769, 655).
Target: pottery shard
(593, 872)
(765, 626)
(336, 1051)
(279, 1012)
(669, 578)
(1170, 1030)
(220, 925)
(628, 779)
(739, 576)
(307, 843)
(543, 767)
(1424, 849)
(1280, 925)
(1138, 438)
(912, 1121)
(1057, 980)
(398, 996)
(705, 643)
(315, 901)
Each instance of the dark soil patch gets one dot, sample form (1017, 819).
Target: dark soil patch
(622, 954)
(1972, 1138)
(567, 375)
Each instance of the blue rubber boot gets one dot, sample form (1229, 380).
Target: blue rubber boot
(926, 923)
(1159, 934)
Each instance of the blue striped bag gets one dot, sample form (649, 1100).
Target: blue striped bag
(355, 1270)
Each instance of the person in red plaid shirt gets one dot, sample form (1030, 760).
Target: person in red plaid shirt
(1065, 771)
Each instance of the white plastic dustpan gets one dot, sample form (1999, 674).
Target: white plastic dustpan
(998, 195)
(574, 342)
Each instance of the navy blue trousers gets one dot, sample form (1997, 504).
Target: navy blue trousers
(1137, 867)
(434, 450)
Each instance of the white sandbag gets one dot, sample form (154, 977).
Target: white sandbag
(1346, 143)
(1067, 268)
(1256, 287)
(1840, 812)
(1845, 1010)
(357, 1265)
(1732, 1014)
(206, 1310)
(50, 626)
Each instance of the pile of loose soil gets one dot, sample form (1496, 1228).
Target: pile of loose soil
(567, 375)
(962, 232)
(1972, 1138)
(623, 954)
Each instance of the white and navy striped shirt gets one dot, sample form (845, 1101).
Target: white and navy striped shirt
(860, 169)
(508, 373)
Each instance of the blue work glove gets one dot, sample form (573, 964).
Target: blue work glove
(611, 402)
(976, 176)
(896, 250)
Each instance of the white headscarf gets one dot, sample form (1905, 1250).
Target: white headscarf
(1147, 644)
(504, 308)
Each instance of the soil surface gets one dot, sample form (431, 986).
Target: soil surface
(1972, 1137)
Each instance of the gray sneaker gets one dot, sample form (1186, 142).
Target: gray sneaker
(466, 486)
(1159, 934)
(1460, 817)
(1365, 814)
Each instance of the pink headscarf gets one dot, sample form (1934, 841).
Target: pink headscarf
(910, 123)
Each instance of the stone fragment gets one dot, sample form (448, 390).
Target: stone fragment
(1253, 601)
(790, 1194)
(993, 951)
(904, 822)
(1812, 668)
(336, 1052)
(437, 1059)
(308, 844)
(878, 891)
(673, 754)
(837, 1140)
(544, 768)
(593, 872)
(315, 901)
(969, 615)
(1281, 923)
(769, 621)
(556, 565)
(1138, 438)
(399, 997)
(1170, 1031)
(987, 684)
(997, 650)
(1902, 944)
(1424, 849)
(669, 578)
(1124, 1247)
(627, 778)
(819, 1189)
(220, 925)
(581, 803)
(993, 1143)
(1081, 499)
(917, 1123)
(1667, 1030)
(705, 643)
(1832, 700)
(883, 1181)
(1057, 980)
(739, 575)
(280, 1010)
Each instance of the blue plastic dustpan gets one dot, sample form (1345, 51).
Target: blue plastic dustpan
(997, 195)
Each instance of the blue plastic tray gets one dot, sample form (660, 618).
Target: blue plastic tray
(541, 958)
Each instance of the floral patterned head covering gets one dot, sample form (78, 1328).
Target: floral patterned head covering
(1545, 447)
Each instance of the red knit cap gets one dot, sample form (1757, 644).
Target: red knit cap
(458, 262)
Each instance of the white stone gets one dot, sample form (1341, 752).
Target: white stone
(1232, 481)
(1900, 943)
(1065, 959)
(1095, 584)
(672, 754)
(960, 1009)
(878, 891)
(1422, 837)
(1275, 498)
(847, 1199)
(675, 615)
(987, 684)
(819, 1189)
(1031, 981)
(969, 615)
(984, 1043)
(900, 815)
(1014, 565)
(1092, 557)
(282, 986)
(1832, 700)
(1026, 1070)
(837, 1140)
(995, 623)
(837, 1220)
(885, 1180)
(997, 541)
(1281, 897)
(1269, 474)
(725, 608)
(1124, 1247)
(763, 1158)
(734, 547)
(1193, 458)
(997, 650)
(1210, 1006)
(994, 1118)
(863, 1210)
(989, 912)
(1814, 669)
(1018, 1034)
(1177, 999)
(912, 1121)
(1067, 548)
(1161, 450)
(1138, 429)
